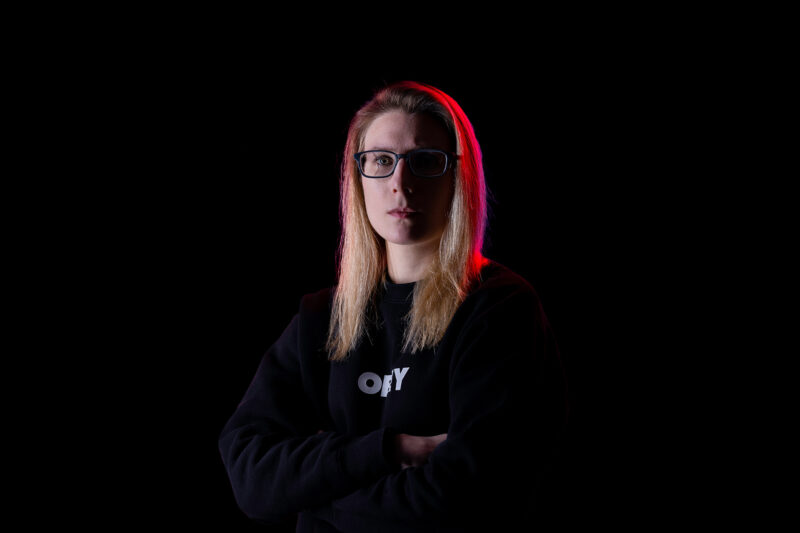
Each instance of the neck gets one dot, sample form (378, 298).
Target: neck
(409, 263)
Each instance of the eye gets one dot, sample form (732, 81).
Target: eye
(384, 160)
(377, 164)
(428, 162)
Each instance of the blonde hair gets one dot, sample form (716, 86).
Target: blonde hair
(362, 252)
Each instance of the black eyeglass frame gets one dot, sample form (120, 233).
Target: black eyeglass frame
(449, 161)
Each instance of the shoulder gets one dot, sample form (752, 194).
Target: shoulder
(502, 294)
(318, 302)
(498, 282)
(315, 309)
(312, 320)
(497, 275)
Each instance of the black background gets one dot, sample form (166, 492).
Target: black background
(224, 212)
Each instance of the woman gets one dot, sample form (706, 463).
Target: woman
(424, 391)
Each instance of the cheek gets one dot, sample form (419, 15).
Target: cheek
(449, 192)
(371, 198)
(443, 196)
(446, 200)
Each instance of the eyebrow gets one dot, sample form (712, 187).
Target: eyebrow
(382, 148)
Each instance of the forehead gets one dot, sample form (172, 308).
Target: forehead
(401, 131)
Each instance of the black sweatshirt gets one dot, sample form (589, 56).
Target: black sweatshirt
(314, 437)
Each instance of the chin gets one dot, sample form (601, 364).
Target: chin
(406, 239)
(401, 240)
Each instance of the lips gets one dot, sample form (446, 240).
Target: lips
(403, 212)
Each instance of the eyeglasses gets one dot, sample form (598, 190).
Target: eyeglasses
(424, 162)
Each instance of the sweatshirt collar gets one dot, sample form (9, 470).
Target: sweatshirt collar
(399, 292)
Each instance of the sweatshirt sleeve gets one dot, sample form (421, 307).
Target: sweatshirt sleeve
(508, 407)
(277, 458)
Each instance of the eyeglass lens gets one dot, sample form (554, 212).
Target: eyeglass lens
(425, 163)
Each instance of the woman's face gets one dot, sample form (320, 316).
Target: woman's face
(428, 199)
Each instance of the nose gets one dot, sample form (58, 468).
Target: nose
(402, 179)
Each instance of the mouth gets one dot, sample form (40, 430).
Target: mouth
(403, 212)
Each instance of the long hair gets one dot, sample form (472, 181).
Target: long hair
(362, 252)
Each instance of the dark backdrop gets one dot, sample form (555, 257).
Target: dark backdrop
(229, 202)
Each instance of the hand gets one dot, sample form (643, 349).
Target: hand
(412, 450)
